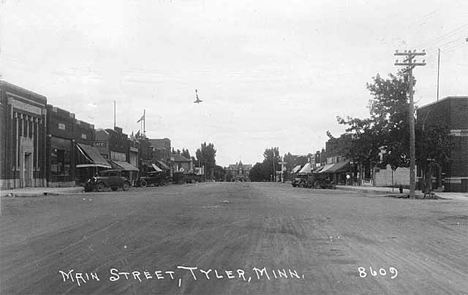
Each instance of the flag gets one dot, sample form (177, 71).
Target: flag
(142, 118)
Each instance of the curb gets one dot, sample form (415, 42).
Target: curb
(368, 190)
(44, 193)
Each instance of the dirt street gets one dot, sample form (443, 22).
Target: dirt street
(232, 238)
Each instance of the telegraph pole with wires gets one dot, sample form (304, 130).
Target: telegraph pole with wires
(410, 63)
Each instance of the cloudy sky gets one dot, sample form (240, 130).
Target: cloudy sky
(270, 73)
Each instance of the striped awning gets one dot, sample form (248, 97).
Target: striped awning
(156, 168)
(125, 166)
(339, 167)
(163, 165)
(296, 169)
(306, 169)
(326, 168)
(93, 157)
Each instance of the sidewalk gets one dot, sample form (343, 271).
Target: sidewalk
(40, 191)
(396, 192)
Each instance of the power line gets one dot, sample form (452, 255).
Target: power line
(443, 37)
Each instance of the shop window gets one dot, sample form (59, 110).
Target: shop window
(60, 162)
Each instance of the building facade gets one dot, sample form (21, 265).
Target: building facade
(22, 137)
(161, 149)
(64, 132)
(451, 113)
(239, 171)
(116, 147)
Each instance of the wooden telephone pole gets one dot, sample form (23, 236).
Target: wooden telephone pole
(410, 64)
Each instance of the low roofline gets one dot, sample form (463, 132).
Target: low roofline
(18, 88)
(441, 100)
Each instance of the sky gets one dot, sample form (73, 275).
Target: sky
(270, 73)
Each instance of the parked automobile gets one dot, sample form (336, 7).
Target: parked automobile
(324, 183)
(303, 180)
(155, 178)
(108, 179)
(181, 177)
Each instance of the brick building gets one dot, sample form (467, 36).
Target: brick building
(22, 137)
(451, 113)
(239, 171)
(115, 147)
(64, 133)
(161, 149)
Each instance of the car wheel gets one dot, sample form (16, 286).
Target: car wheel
(317, 185)
(100, 187)
(143, 183)
(163, 182)
(126, 186)
(114, 188)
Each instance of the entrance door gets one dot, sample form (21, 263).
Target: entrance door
(28, 170)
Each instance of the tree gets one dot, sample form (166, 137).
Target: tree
(384, 136)
(270, 161)
(185, 153)
(433, 147)
(257, 173)
(206, 156)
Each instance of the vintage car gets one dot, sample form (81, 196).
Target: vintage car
(324, 183)
(112, 179)
(303, 180)
(155, 178)
(181, 177)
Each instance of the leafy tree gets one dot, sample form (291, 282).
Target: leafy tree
(386, 132)
(185, 153)
(270, 161)
(206, 155)
(257, 173)
(387, 128)
(432, 148)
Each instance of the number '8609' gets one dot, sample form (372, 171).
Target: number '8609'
(392, 272)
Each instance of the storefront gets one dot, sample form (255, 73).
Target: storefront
(90, 162)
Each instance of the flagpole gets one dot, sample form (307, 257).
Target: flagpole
(144, 122)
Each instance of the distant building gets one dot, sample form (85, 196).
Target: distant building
(180, 164)
(114, 146)
(238, 171)
(452, 113)
(161, 149)
(22, 137)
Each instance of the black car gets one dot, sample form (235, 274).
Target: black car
(108, 179)
(156, 178)
(303, 180)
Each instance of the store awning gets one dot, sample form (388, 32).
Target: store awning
(164, 166)
(125, 166)
(156, 168)
(296, 169)
(306, 169)
(326, 168)
(339, 167)
(93, 157)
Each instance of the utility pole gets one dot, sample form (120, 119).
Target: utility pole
(410, 65)
(438, 72)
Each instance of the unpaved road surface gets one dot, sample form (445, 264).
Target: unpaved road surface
(232, 238)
